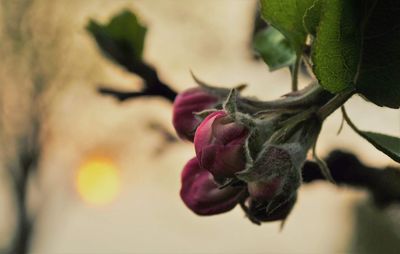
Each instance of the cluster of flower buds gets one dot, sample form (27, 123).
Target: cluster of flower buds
(246, 154)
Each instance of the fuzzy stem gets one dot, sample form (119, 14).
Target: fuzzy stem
(335, 103)
(310, 95)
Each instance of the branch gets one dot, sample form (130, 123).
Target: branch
(346, 169)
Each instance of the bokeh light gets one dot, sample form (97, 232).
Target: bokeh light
(98, 181)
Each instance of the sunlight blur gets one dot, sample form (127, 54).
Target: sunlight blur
(98, 181)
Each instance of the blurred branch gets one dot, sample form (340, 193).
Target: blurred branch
(23, 232)
(21, 169)
(153, 85)
(167, 135)
(346, 169)
(122, 40)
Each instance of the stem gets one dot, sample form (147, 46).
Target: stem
(308, 64)
(349, 122)
(291, 125)
(341, 125)
(295, 72)
(335, 103)
(310, 95)
(322, 164)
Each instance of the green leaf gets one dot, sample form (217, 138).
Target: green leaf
(379, 73)
(337, 46)
(356, 44)
(122, 39)
(312, 17)
(274, 48)
(287, 17)
(387, 144)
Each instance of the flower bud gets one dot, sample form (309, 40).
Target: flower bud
(202, 195)
(185, 105)
(219, 144)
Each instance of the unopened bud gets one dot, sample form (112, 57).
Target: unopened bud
(185, 105)
(202, 195)
(219, 144)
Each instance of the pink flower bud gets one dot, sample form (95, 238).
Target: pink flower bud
(219, 144)
(185, 105)
(201, 194)
(275, 172)
(265, 190)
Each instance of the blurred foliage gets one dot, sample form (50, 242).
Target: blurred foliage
(274, 48)
(122, 39)
(376, 230)
(287, 17)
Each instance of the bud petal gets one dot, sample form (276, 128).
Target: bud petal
(185, 105)
(219, 144)
(202, 195)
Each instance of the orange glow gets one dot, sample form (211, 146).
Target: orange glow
(98, 181)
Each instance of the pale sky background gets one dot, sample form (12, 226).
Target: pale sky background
(211, 38)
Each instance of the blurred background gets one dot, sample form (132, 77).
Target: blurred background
(108, 177)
